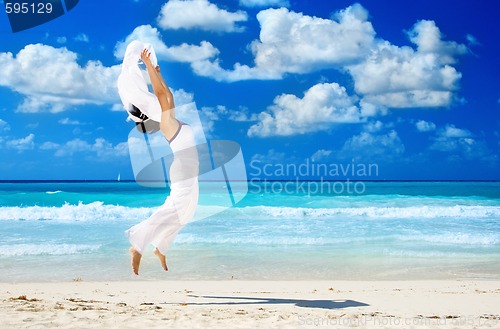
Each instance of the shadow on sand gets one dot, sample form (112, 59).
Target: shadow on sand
(326, 304)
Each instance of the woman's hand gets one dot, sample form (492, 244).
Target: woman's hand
(145, 56)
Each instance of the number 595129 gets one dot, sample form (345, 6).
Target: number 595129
(28, 8)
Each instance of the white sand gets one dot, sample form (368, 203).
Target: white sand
(251, 304)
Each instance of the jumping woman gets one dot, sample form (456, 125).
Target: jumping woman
(161, 228)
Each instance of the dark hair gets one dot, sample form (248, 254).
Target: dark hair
(146, 126)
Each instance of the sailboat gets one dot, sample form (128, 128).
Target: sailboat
(118, 179)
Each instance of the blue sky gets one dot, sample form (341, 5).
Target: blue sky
(410, 86)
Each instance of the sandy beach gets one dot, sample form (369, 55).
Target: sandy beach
(250, 304)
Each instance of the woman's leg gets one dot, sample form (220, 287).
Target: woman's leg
(163, 223)
(163, 242)
(144, 233)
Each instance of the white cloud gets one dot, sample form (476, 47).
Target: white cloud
(222, 112)
(183, 53)
(212, 69)
(373, 127)
(271, 156)
(428, 38)
(454, 132)
(209, 115)
(68, 121)
(368, 145)
(82, 37)
(401, 77)
(4, 126)
(425, 126)
(182, 97)
(72, 147)
(321, 154)
(191, 53)
(442, 143)
(411, 98)
(297, 43)
(264, 3)
(49, 146)
(61, 40)
(322, 105)
(242, 116)
(146, 34)
(199, 14)
(385, 75)
(291, 42)
(22, 144)
(102, 149)
(117, 107)
(61, 83)
(459, 142)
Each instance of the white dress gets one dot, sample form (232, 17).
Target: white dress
(161, 228)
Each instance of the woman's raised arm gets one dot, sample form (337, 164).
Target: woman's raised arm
(160, 88)
(168, 125)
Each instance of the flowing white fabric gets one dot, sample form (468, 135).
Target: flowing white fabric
(133, 85)
(163, 225)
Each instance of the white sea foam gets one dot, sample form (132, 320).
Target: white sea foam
(432, 255)
(184, 238)
(292, 238)
(81, 212)
(100, 211)
(53, 192)
(457, 211)
(97, 211)
(484, 239)
(32, 249)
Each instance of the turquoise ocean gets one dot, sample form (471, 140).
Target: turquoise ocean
(63, 231)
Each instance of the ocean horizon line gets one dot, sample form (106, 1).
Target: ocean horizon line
(259, 181)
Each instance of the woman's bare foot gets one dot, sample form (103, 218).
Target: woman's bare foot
(163, 259)
(136, 260)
